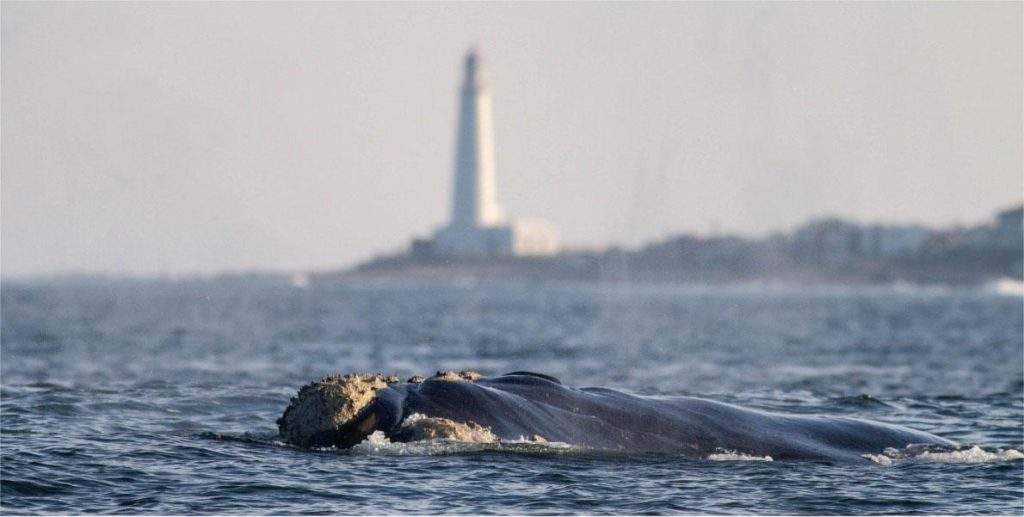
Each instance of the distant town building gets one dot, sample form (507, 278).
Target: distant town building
(828, 241)
(478, 226)
(894, 241)
(835, 241)
(1005, 233)
(977, 237)
(1009, 231)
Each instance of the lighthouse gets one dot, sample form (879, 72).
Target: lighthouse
(474, 203)
(477, 226)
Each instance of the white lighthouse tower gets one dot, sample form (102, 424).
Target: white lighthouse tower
(473, 203)
(478, 226)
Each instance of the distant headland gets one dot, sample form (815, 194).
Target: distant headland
(825, 251)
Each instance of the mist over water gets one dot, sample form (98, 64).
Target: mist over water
(160, 397)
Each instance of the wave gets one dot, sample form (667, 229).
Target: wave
(737, 456)
(932, 454)
(863, 401)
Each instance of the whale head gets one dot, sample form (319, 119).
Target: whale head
(342, 410)
(337, 410)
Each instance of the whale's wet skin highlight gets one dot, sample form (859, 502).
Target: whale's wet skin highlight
(159, 397)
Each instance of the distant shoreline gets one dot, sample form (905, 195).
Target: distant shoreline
(824, 251)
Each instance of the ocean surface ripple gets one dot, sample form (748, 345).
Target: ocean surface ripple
(160, 397)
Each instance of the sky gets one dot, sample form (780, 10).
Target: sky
(185, 138)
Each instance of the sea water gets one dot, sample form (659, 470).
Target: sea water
(159, 396)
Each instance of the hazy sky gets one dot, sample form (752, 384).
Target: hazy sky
(177, 138)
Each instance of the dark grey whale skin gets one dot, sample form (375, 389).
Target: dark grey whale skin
(523, 404)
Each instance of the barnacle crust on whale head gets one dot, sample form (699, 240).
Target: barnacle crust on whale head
(420, 427)
(453, 376)
(326, 405)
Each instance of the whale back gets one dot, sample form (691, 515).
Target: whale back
(523, 405)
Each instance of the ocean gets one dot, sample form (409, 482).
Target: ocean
(160, 396)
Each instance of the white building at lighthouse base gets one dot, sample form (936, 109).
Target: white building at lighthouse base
(521, 238)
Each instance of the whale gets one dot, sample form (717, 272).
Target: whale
(343, 410)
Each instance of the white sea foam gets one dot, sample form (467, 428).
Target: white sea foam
(737, 456)
(973, 454)
(411, 419)
(376, 440)
(1006, 287)
(378, 443)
